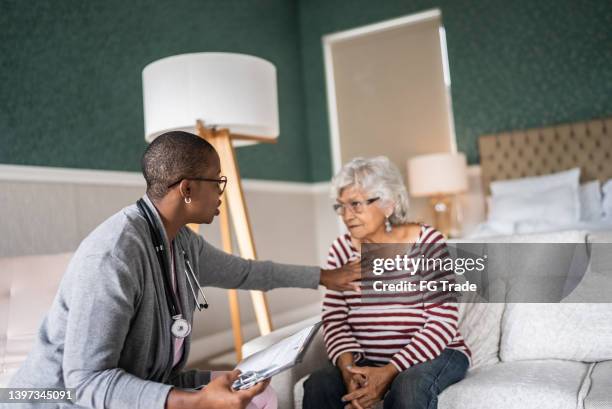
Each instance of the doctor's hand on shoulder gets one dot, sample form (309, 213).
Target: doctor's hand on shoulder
(344, 278)
(217, 394)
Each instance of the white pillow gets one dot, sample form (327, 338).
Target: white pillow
(579, 328)
(572, 331)
(537, 226)
(491, 228)
(536, 183)
(559, 205)
(590, 201)
(480, 325)
(607, 199)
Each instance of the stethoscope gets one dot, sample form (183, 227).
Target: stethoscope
(180, 326)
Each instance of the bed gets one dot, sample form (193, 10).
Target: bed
(524, 172)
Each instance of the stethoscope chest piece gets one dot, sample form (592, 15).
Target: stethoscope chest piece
(180, 327)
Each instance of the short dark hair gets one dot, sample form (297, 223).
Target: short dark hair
(173, 156)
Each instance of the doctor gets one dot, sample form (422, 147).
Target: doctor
(118, 331)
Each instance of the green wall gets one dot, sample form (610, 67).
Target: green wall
(513, 63)
(70, 76)
(70, 71)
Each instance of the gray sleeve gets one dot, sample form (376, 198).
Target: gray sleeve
(102, 288)
(216, 268)
(190, 379)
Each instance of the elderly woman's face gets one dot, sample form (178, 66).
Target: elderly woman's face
(360, 217)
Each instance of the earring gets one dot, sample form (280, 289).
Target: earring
(388, 226)
(187, 200)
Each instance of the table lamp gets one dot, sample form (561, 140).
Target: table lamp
(229, 100)
(438, 176)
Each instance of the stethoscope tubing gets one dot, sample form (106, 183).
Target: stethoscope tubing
(188, 271)
(160, 252)
(184, 328)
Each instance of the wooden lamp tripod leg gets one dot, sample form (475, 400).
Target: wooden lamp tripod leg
(232, 295)
(221, 140)
(244, 236)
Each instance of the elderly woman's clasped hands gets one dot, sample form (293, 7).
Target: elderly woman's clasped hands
(366, 385)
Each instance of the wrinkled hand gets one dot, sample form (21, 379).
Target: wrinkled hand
(343, 278)
(352, 383)
(375, 383)
(219, 393)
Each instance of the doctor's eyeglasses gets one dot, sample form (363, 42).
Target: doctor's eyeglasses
(222, 182)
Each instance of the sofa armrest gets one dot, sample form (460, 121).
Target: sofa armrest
(315, 358)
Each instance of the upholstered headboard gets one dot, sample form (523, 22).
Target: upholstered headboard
(539, 151)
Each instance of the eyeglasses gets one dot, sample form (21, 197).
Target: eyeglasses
(222, 182)
(355, 206)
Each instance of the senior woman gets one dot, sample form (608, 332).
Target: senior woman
(405, 353)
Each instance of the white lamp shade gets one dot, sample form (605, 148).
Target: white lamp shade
(437, 174)
(234, 91)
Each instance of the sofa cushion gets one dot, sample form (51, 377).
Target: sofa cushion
(480, 326)
(479, 319)
(527, 385)
(28, 286)
(600, 392)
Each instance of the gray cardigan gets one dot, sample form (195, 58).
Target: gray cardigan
(107, 333)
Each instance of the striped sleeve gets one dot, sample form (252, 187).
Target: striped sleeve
(337, 333)
(441, 318)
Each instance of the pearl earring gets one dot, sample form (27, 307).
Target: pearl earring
(388, 226)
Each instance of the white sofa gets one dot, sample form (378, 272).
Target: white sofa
(540, 356)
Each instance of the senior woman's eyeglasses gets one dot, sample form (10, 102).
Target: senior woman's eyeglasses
(222, 182)
(355, 206)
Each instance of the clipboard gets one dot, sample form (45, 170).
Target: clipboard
(276, 358)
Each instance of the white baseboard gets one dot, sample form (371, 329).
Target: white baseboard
(211, 345)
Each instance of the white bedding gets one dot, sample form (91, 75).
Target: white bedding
(546, 204)
(495, 229)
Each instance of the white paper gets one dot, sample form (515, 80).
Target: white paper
(281, 354)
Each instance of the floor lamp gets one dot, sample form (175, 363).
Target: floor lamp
(230, 100)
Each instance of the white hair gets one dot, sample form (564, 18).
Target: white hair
(378, 177)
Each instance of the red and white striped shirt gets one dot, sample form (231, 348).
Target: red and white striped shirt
(397, 330)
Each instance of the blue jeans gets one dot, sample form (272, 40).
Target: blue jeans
(417, 387)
